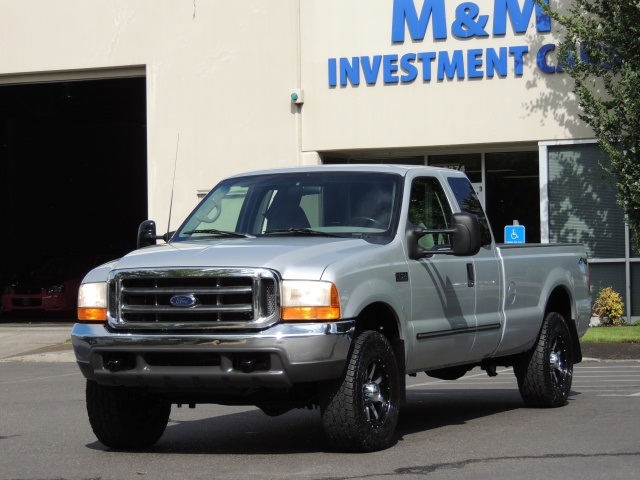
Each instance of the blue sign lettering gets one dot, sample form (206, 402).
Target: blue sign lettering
(332, 72)
(519, 18)
(459, 64)
(390, 68)
(468, 22)
(496, 62)
(426, 58)
(404, 12)
(449, 67)
(541, 59)
(416, 16)
(411, 71)
(350, 71)
(370, 68)
(518, 58)
(474, 63)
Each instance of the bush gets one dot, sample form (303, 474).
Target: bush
(609, 307)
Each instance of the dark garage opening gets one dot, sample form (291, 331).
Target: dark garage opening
(73, 171)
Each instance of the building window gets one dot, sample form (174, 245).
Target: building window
(583, 209)
(337, 159)
(582, 201)
(469, 163)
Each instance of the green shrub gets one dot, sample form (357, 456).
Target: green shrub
(609, 307)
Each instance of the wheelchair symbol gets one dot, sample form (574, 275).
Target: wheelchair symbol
(514, 234)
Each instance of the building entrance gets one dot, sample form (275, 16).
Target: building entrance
(73, 173)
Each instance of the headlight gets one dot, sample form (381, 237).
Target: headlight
(309, 300)
(92, 302)
(55, 288)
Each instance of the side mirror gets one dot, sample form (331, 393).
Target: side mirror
(147, 234)
(465, 237)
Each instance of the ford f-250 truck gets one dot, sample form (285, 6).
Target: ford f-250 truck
(324, 287)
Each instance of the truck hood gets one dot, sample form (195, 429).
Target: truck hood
(301, 258)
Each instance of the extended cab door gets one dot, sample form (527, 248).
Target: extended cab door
(443, 322)
(486, 272)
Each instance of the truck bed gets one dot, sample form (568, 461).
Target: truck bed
(530, 273)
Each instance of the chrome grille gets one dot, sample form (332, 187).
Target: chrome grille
(215, 298)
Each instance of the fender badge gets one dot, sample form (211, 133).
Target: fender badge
(183, 301)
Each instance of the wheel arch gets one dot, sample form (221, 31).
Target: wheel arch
(381, 317)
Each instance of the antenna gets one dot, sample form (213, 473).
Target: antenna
(173, 184)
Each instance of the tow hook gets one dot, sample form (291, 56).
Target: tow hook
(115, 365)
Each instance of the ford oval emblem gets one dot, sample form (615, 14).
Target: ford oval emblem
(183, 301)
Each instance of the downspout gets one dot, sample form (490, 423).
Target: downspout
(297, 106)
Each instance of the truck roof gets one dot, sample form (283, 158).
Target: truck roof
(377, 168)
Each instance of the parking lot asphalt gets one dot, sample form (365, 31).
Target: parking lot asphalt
(51, 342)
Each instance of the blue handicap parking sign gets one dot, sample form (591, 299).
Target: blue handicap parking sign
(514, 234)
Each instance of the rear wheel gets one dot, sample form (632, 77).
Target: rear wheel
(125, 417)
(544, 375)
(360, 412)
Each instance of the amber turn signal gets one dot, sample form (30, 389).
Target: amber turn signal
(92, 314)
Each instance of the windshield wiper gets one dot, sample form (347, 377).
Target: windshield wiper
(301, 231)
(222, 233)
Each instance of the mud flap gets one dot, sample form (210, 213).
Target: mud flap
(398, 351)
(577, 349)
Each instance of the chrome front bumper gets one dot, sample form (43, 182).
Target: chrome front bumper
(280, 356)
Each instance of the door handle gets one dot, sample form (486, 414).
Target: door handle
(471, 275)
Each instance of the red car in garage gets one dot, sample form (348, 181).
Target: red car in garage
(53, 287)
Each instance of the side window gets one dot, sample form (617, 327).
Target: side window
(430, 209)
(470, 203)
(219, 211)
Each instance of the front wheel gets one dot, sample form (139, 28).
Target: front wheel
(125, 417)
(545, 374)
(360, 411)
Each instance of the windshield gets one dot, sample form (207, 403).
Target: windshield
(342, 204)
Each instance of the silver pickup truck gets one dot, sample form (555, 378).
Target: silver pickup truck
(324, 287)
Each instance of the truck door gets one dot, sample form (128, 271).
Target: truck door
(442, 300)
(486, 273)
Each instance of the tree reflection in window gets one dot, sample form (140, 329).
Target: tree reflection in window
(470, 203)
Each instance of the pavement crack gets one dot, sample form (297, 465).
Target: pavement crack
(428, 469)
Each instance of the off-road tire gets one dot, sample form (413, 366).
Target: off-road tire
(125, 417)
(544, 375)
(360, 411)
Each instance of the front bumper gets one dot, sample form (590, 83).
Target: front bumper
(280, 356)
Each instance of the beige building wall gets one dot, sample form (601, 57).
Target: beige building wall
(513, 108)
(220, 73)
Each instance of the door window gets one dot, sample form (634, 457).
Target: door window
(470, 203)
(429, 208)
